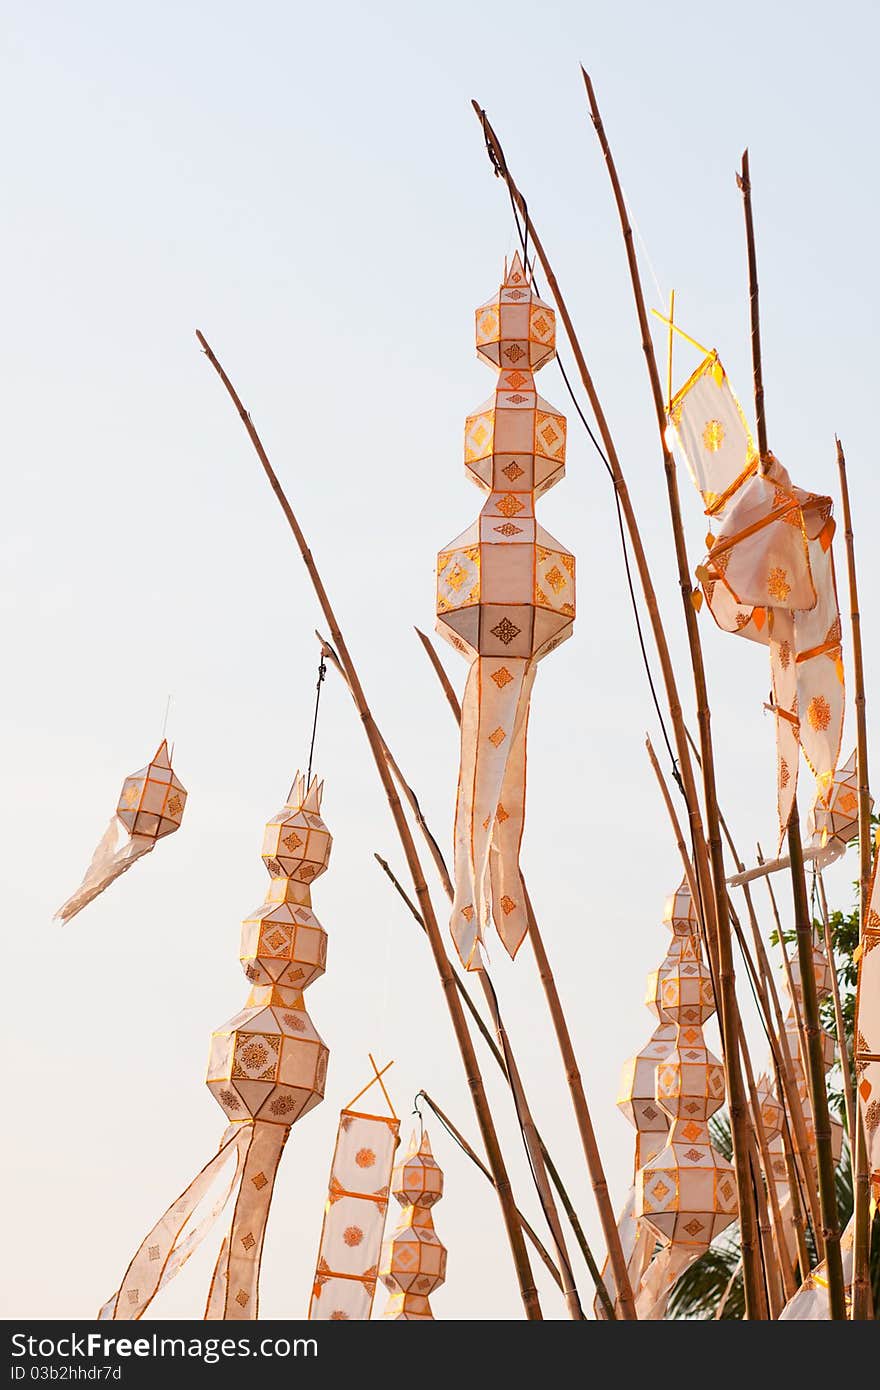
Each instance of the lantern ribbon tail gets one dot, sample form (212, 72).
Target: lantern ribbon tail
(637, 1242)
(234, 1293)
(166, 1248)
(491, 805)
(664, 1271)
(108, 862)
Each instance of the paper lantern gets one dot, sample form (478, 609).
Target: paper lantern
(637, 1101)
(833, 825)
(686, 1194)
(267, 1068)
(346, 1269)
(505, 598)
(151, 806)
(768, 574)
(413, 1263)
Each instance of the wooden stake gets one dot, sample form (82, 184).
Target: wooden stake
(803, 926)
(519, 1254)
(861, 1286)
(572, 1071)
(714, 896)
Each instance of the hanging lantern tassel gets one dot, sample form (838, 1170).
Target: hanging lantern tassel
(413, 1262)
(267, 1069)
(150, 807)
(505, 598)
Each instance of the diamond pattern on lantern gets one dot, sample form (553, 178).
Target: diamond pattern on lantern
(296, 843)
(151, 802)
(515, 450)
(515, 326)
(689, 1087)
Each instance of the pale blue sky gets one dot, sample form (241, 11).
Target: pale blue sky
(308, 186)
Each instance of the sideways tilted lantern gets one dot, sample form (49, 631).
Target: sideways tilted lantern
(150, 807)
(505, 598)
(686, 1192)
(413, 1262)
(768, 574)
(267, 1068)
(832, 824)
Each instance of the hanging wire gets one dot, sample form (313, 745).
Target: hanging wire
(417, 1110)
(500, 172)
(322, 671)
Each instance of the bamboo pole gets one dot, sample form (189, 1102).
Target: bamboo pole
(845, 1069)
(784, 1100)
(803, 926)
(765, 987)
(572, 1071)
(478, 1162)
(519, 1254)
(715, 908)
(780, 1280)
(861, 1286)
(789, 977)
(629, 520)
(779, 1268)
(552, 1170)
(526, 1122)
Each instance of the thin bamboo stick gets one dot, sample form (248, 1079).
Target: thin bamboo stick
(566, 1047)
(765, 987)
(520, 1100)
(552, 1170)
(781, 1285)
(789, 977)
(843, 1050)
(478, 1162)
(718, 921)
(779, 1265)
(519, 1254)
(861, 1286)
(629, 520)
(821, 1120)
(413, 801)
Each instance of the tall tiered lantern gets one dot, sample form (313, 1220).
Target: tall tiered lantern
(686, 1193)
(267, 1068)
(505, 598)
